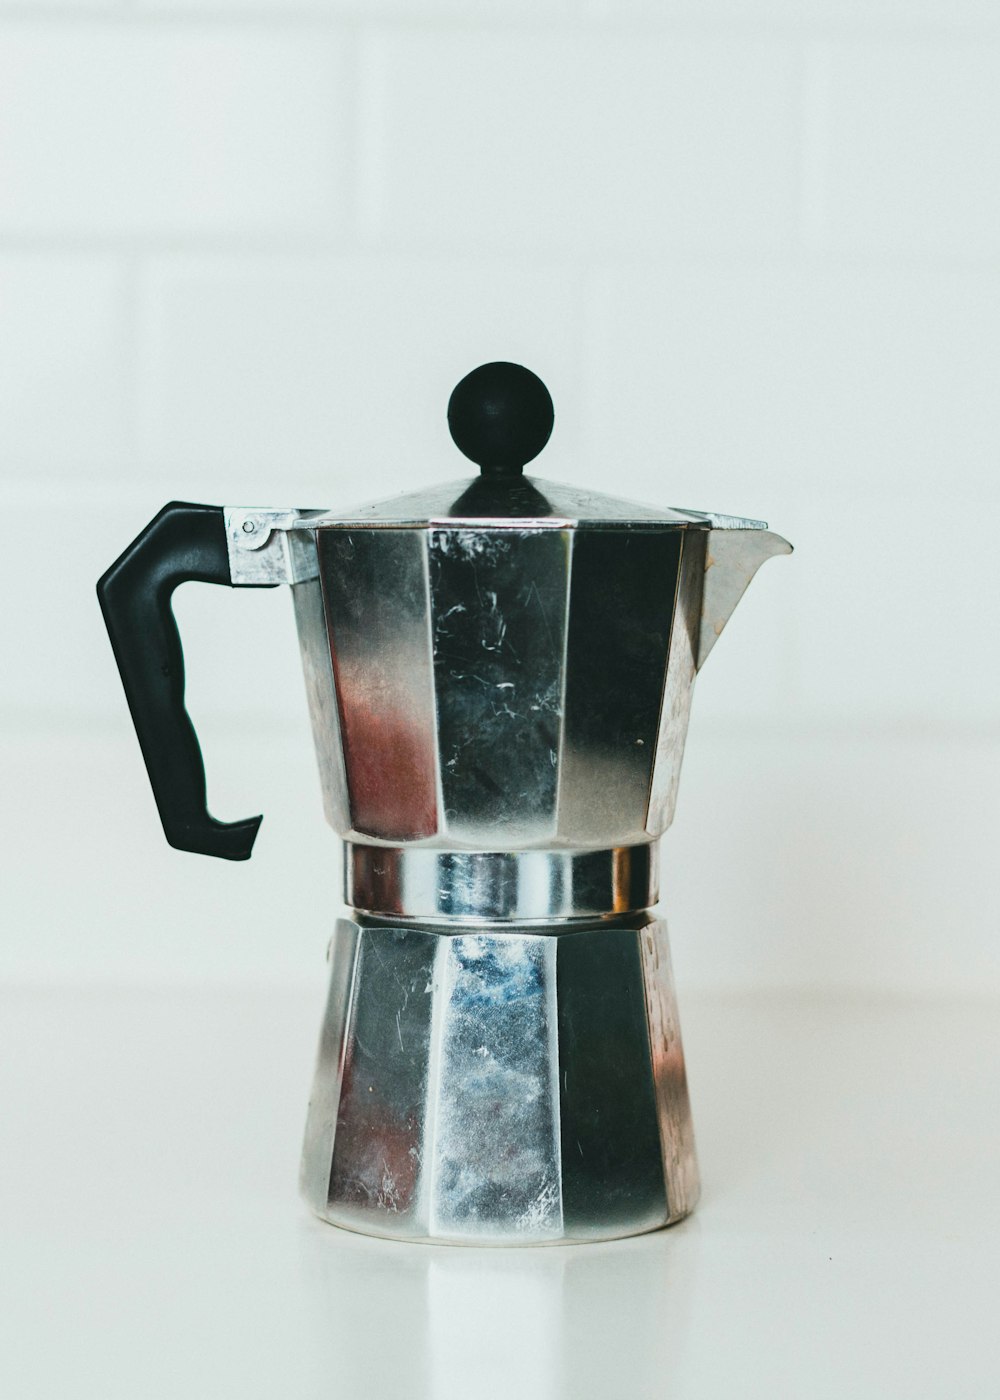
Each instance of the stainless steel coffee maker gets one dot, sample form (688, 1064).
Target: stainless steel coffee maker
(499, 676)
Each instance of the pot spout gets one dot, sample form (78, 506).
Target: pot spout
(732, 557)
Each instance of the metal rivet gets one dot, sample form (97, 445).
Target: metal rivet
(249, 527)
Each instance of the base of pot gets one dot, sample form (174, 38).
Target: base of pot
(499, 1087)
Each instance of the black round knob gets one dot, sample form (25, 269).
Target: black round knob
(501, 416)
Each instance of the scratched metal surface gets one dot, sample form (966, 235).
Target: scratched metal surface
(498, 619)
(499, 689)
(502, 683)
(500, 1087)
(494, 1168)
(370, 1156)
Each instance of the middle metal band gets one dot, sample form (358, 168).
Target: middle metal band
(485, 886)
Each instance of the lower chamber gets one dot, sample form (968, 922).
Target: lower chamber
(491, 1085)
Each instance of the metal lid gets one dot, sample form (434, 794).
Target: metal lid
(528, 501)
(501, 417)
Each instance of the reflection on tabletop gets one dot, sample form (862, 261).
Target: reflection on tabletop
(459, 1324)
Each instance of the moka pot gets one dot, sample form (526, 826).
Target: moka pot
(499, 677)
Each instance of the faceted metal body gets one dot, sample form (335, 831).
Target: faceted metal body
(507, 682)
(499, 702)
(500, 1086)
(501, 689)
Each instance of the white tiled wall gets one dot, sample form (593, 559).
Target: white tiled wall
(753, 246)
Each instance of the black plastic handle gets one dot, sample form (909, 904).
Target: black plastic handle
(182, 543)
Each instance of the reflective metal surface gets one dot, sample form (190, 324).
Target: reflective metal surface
(733, 557)
(377, 624)
(499, 705)
(532, 501)
(321, 692)
(502, 688)
(268, 546)
(497, 615)
(416, 882)
(621, 602)
(678, 689)
(500, 1086)
(509, 684)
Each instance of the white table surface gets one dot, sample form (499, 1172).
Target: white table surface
(152, 1243)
